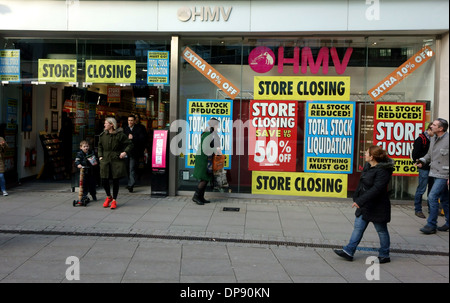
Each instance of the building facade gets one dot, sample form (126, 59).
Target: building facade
(301, 88)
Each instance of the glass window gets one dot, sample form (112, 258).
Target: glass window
(366, 61)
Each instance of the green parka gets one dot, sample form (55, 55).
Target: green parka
(110, 146)
(201, 158)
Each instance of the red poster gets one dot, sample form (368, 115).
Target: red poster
(273, 136)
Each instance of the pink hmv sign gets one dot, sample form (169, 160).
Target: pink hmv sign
(159, 148)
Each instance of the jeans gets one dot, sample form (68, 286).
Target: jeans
(439, 190)
(2, 182)
(131, 171)
(424, 181)
(358, 232)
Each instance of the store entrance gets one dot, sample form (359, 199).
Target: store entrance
(86, 108)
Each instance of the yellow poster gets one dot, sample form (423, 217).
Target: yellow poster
(55, 70)
(111, 71)
(299, 184)
(302, 88)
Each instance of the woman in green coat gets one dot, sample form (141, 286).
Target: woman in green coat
(113, 148)
(201, 160)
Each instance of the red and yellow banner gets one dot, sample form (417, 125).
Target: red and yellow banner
(400, 73)
(273, 136)
(210, 73)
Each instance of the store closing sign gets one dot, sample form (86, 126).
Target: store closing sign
(400, 73)
(397, 125)
(111, 71)
(273, 136)
(299, 184)
(53, 70)
(210, 73)
(302, 88)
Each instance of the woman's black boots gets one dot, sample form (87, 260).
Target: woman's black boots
(199, 196)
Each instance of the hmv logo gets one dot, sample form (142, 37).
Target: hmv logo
(204, 13)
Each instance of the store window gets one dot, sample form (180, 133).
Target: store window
(85, 80)
(293, 80)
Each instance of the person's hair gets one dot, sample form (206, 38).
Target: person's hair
(132, 116)
(112, 121)
(378, 154)
(83, 143)
(443, 123)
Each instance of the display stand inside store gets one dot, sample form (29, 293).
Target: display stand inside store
(53, 157)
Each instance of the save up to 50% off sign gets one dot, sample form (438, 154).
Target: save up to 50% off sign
(273, 126)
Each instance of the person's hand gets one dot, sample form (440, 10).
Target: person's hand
(355, 205)
(122, 155)
(80, 166)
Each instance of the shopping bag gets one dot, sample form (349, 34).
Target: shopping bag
(218, 162)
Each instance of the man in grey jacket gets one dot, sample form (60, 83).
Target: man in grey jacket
(438, 158)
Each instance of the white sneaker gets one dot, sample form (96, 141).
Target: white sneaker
(5, 193)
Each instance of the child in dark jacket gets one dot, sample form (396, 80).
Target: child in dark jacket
(86, 158)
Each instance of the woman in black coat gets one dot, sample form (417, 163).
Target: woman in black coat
(372, 203)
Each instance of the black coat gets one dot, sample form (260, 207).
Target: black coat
(420, 148)
(372, 194)
(140, 139)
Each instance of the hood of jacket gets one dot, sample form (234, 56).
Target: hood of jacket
(388, 165)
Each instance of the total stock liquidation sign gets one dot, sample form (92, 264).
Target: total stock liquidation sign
(199, 112)
(329, 137)
(397, 125)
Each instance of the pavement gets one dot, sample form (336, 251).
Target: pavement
(44, 238)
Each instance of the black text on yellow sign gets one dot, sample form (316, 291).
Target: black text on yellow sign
(328, 164)
(299, 184)
(330, 110)
(396, 112)
(209, 108)
(53, 70)
(191, 160)
(405, 167)
(111, 71)
(302, 88)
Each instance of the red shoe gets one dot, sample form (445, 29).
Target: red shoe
(113, 204)
(107, 201)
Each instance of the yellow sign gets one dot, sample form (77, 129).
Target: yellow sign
(302, 88)
(329, 164)
(209, 108)
(404, 167)
(111, 71)
(299, 184)
(191, 160)
(55, 70)
(398, 111)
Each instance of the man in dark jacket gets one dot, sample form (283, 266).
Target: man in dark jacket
(138, 135)
(420, 149)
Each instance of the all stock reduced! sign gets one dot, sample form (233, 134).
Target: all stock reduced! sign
(397, 125)
(329, 137)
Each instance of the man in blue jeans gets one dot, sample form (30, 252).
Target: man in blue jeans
(438, 158)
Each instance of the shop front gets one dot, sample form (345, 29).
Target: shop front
(298, 100)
